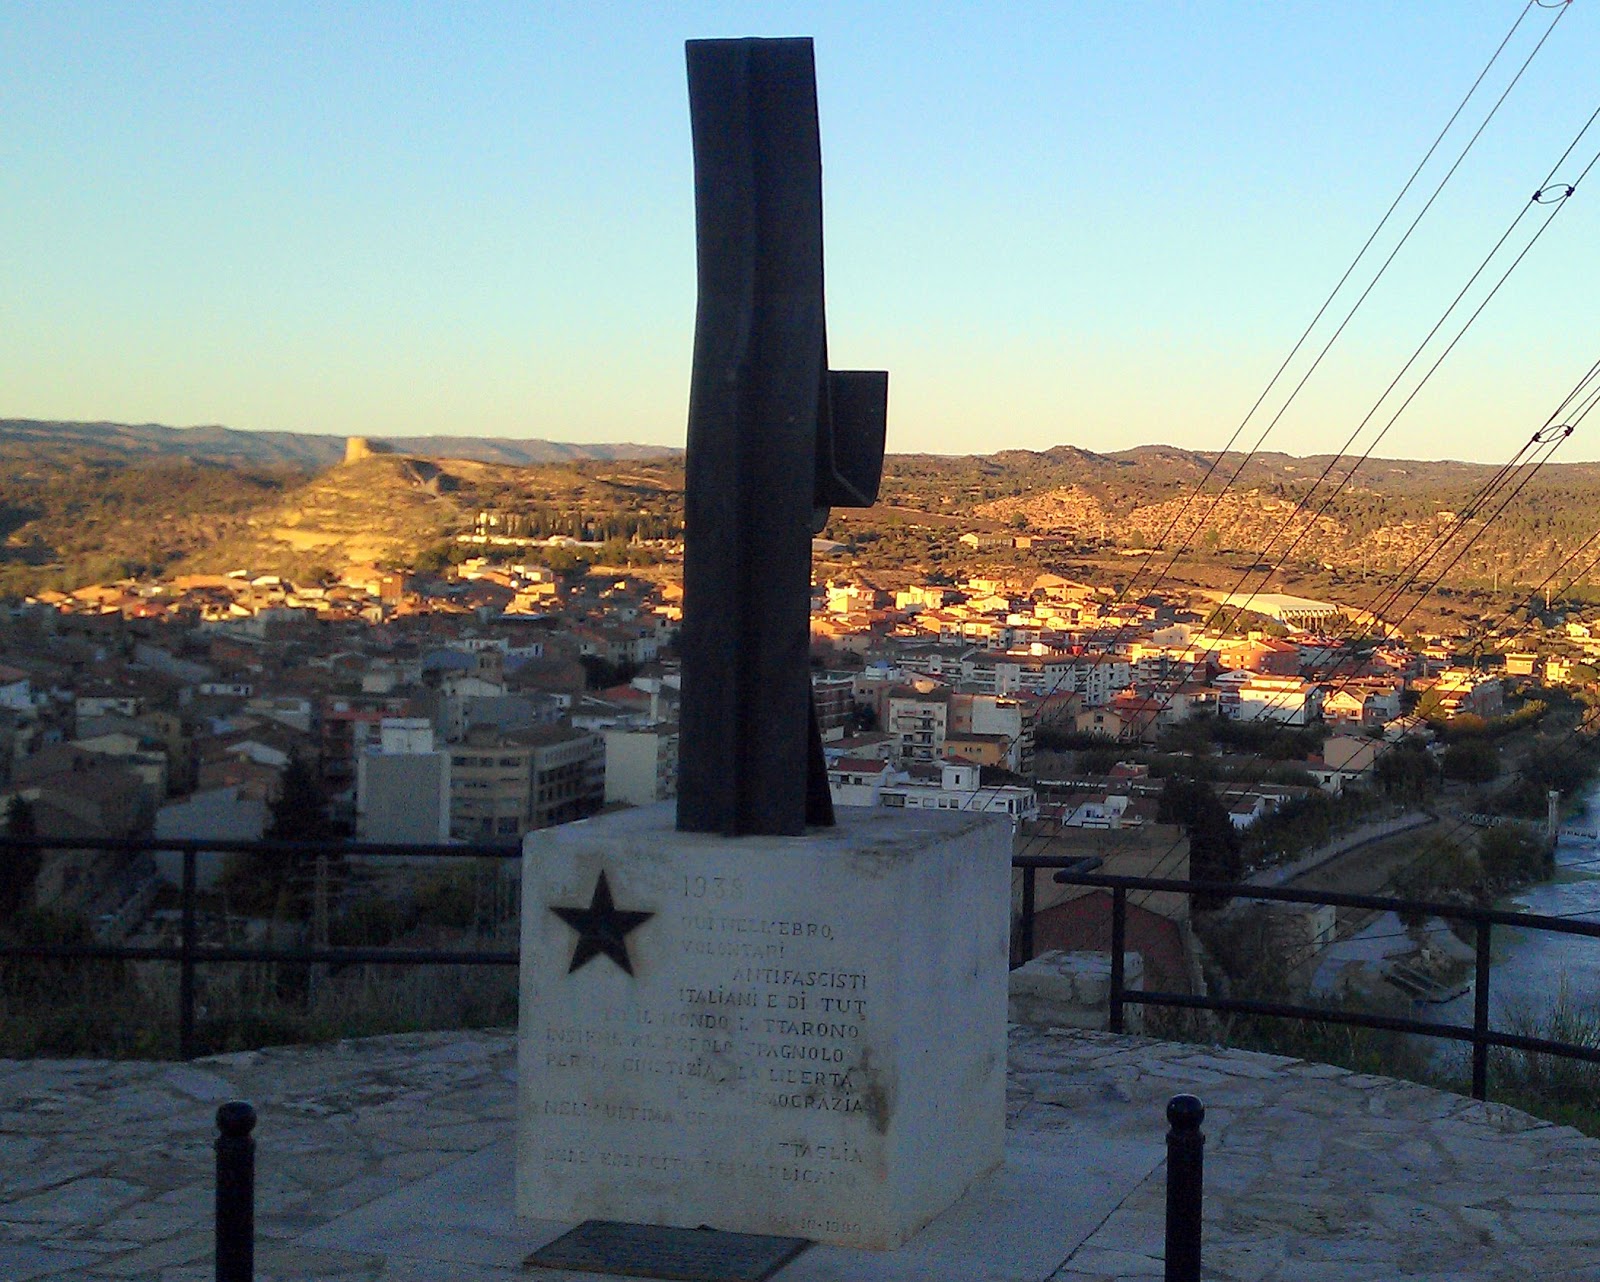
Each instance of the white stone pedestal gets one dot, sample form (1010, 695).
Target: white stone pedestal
(812, 1038)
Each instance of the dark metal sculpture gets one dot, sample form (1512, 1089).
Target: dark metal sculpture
(775, 439)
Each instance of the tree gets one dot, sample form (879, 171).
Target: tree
(278, 882)
(602, 674)
(1511, 855)
(433, 560)
(1215, 851)
(300, 810)
(1405, 772)
(18, 867)
(567, 564)
(1442, 872)
(1472, 761)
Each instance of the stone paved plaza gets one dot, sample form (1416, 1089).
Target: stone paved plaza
(389, 1159)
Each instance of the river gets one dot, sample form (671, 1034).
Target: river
(1530, 970)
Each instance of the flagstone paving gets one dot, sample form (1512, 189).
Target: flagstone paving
(378, 1158)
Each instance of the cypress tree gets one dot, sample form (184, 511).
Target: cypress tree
(18, 868)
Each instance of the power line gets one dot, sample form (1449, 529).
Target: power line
(1362, 298)
(1172, 852)
(1496, 482)
(1367, 453)
(1349, 271)
(1558, 199)
(1557, 202)
(1343, 279)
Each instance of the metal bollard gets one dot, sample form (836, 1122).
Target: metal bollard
(236, 1193)
(1185, 1179)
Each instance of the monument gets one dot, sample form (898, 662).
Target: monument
(789, 1035)
(743, 1014)
(775, 439)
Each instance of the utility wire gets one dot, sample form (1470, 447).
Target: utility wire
(1553, 443)
(1343, 279)
(1557, 202)
(1496, 482)
(1447, 839)
(1299, 507)
(1366, 292)
(1549, 193)
(1216, 461)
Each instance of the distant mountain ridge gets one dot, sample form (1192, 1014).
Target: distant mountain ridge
(96, 502)
(215, 444)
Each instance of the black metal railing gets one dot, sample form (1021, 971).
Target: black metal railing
(189, 953)
(1482, 919)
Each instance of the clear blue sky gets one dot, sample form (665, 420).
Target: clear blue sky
(1084, 223)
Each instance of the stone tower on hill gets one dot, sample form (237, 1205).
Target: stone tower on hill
(357, 448)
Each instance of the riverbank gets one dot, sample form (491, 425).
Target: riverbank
(1332, 860)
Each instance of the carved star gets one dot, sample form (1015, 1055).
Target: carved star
(602, 928)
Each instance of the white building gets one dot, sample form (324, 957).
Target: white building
(859, 781)
(1010, 719)
(1101, 810)
(220, 813)
(641, 764)
(956, 786)
(919, 721)
(403, 785)
(15, 691)
(1294, 611)
(1252, 696)
(292, 710)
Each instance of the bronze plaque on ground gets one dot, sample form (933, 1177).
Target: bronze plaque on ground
(677, 1255)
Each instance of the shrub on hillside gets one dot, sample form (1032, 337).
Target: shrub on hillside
(1471, 761)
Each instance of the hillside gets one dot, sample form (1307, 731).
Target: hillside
(1383, 516)
(89, 502)
(94, 506)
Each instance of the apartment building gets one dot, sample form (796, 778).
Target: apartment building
(919, 722)
(1252, 696)
(833, 695)
(1163, 665)
(956, 786)
(503, 784)
(1006, 723)
(1000, 672)
(403, 784)
(1458, 690)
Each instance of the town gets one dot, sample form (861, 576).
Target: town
(528, 685)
